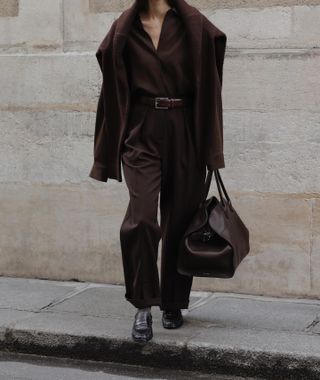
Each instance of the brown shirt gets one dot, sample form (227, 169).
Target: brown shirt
(165, 71)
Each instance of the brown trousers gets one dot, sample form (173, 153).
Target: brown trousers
(158, 157)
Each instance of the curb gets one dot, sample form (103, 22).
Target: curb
(186, 356)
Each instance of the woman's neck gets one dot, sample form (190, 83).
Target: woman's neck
(156, 8)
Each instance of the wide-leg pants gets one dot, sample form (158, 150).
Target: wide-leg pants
(159, 161)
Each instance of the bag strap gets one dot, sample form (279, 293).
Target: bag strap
(219, 183)
(207, 184)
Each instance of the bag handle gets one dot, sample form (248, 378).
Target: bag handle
(220, 185)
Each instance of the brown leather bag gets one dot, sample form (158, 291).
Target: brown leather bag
(216, 240)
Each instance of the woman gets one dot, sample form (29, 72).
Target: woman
(161, 146)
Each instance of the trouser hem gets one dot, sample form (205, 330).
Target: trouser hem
(183, 304)
(140, 303)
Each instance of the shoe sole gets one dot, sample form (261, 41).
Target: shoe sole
(142, 338)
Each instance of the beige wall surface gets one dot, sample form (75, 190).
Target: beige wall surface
(57, 223)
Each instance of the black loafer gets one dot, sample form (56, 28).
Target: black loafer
(172, 319)
(142, 326)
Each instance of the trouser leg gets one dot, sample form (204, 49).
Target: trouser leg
(140, 232)
(158, 157)
(181, 192)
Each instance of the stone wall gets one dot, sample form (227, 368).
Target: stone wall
(57, 223)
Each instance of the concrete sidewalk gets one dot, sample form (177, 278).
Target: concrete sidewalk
(226, 333)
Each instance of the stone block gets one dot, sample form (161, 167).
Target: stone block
(9, 8)
(252, 24)
(61, 232)
(271, 80)
(85, 28)
(54, 81)
(70, 231)
(306, 25)
(279, 259)
(46, 146)
(101, 6)
(315, 249)
(32, 295)
(36, 28)
(204, 4)
(260, 314)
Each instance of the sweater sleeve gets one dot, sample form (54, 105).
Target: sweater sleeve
(99, 170)
(214, 149)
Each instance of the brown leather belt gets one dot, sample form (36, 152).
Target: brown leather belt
(163, 102)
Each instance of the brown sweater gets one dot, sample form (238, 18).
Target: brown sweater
(207, 44)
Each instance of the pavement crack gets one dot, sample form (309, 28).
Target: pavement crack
(312, 324)
(67, 296)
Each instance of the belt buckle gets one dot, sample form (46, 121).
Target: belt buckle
(156, 103)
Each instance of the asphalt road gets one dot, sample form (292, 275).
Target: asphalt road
(31, 367)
